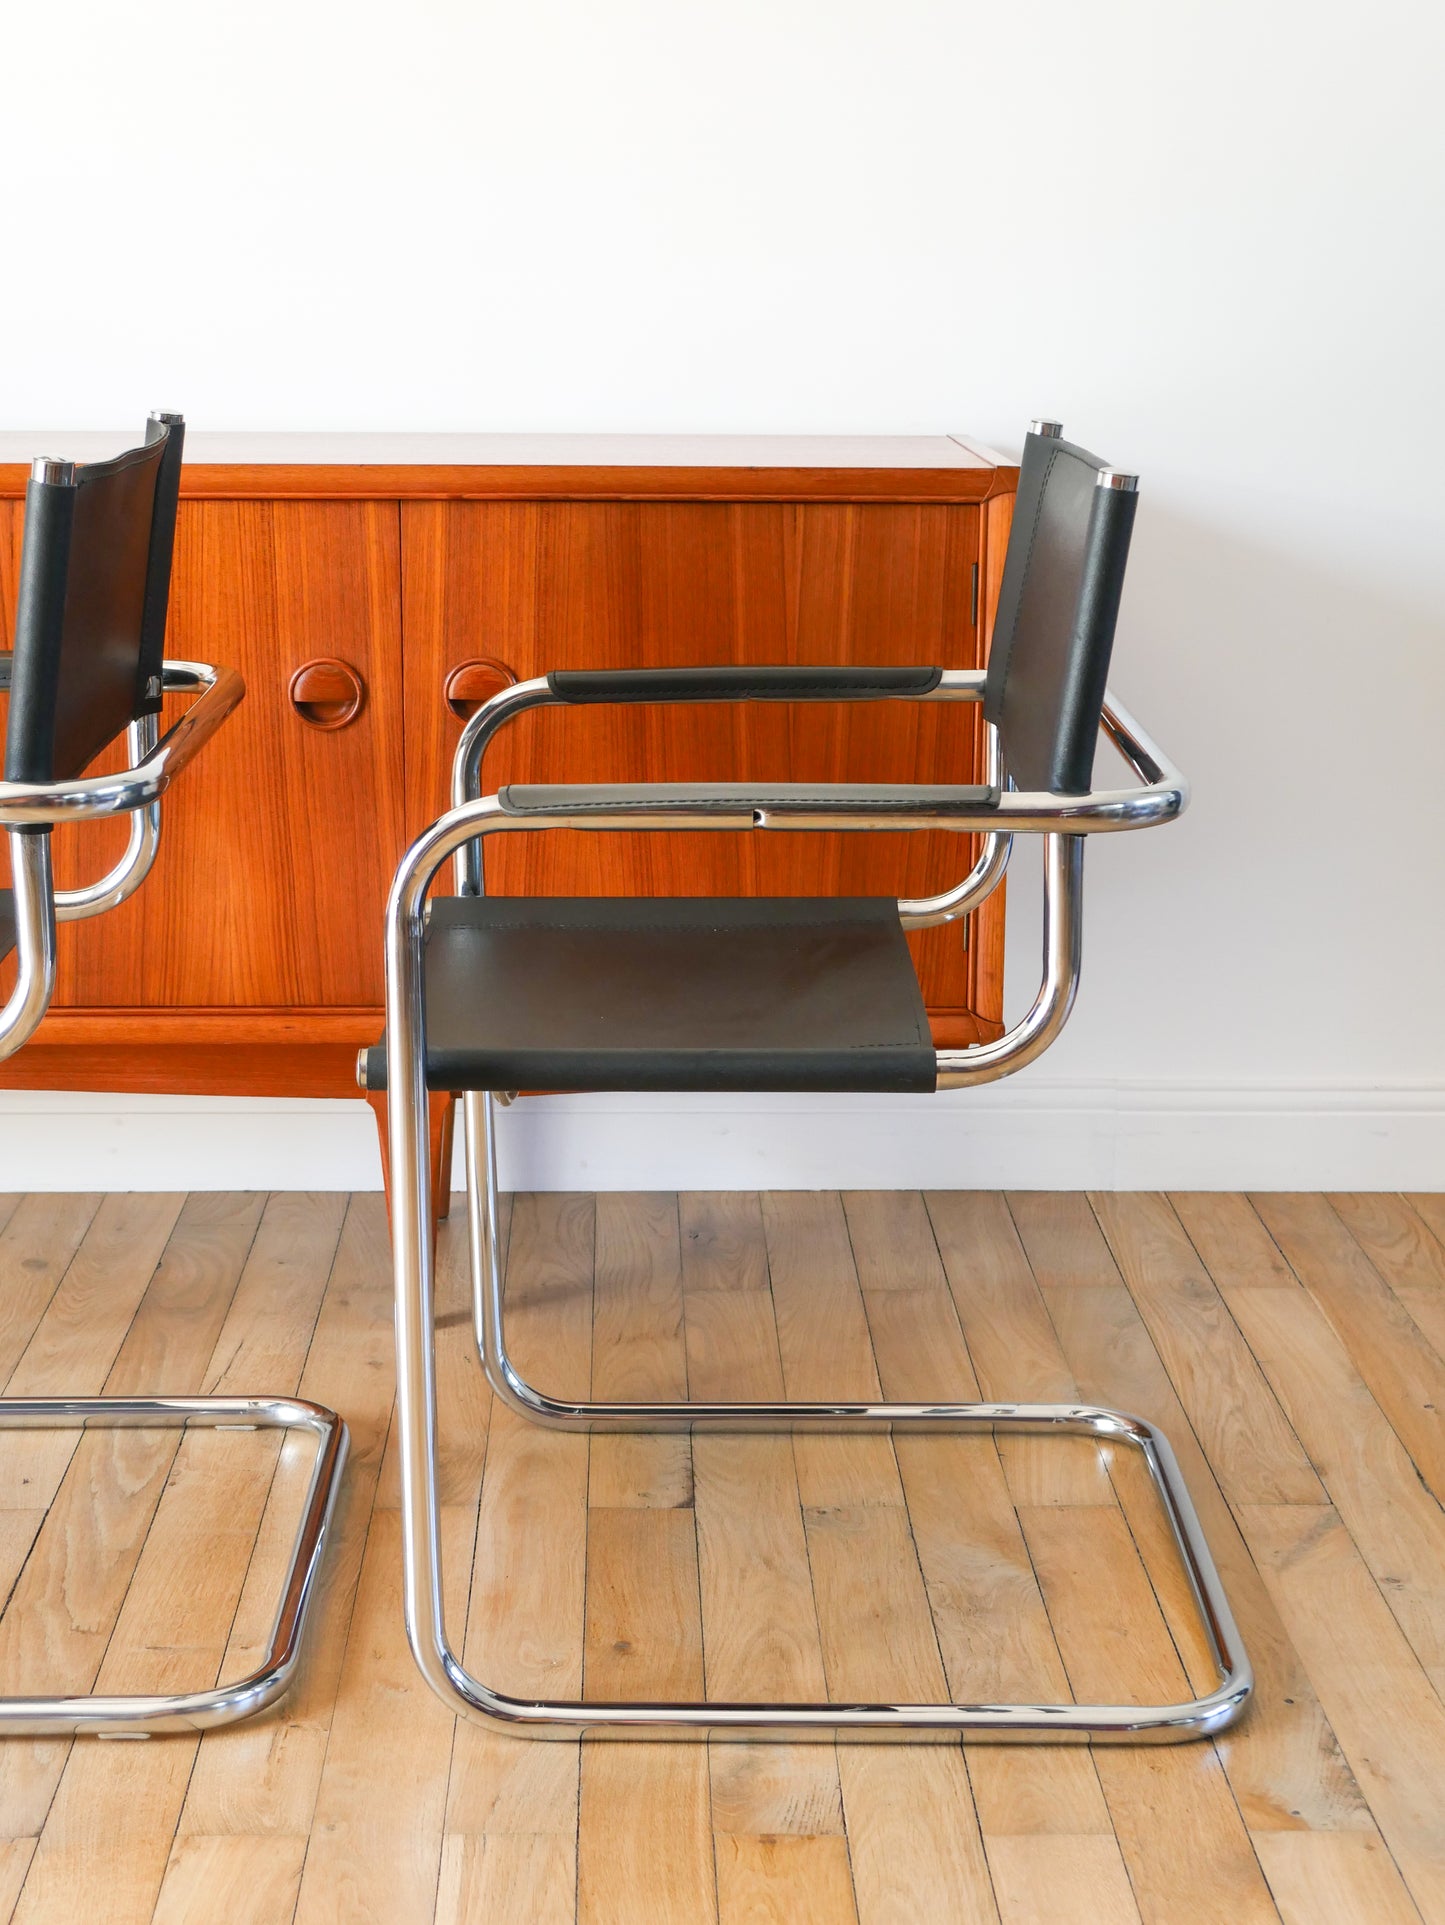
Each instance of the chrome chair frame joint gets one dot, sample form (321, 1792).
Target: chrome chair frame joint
(1063, 821)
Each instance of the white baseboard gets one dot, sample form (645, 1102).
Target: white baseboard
(1026, 1135)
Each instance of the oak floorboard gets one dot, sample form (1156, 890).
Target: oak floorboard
(1391, 1724)
(261, 1777)
(374, 1856)
(1014, 1346)
(879, 1640)
(1395, 1234)
(1188, 1854)
(15, 1856)
(1055, 1876)
(59, 1617)
(913, 1836)
(1333, 1878)
(511, 1819)
(913, 1565)
(245, 1880)
(784, 1881)
(76, 1341)
(1024, 1793)
(1283, 1762)
(639, 1350)
(1429, 1206)
(187, 1583)
(1389, 1350)
(1064, 1244)
(1246, 1436)
(777, 1810)
(1393, 1518)
(1238, 1251)
(37, 1245)
(488, 1875)
(645, 1845)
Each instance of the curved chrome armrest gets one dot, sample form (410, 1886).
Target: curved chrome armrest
(88, 797)
(39, 806)
(1164, 794)
(954, 685)
(927, 912)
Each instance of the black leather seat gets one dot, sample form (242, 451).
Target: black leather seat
(660, 993)
(7, 922)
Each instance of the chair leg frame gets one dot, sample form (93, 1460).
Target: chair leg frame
(140, 1716)
(699, 1719)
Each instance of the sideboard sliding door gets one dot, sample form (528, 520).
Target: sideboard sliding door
(520, 587)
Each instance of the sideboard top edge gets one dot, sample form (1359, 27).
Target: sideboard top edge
(206, 481)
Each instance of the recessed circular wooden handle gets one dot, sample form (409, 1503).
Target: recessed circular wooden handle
(327, 693)
(471, 683)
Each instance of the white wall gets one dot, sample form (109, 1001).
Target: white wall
(1206, 236)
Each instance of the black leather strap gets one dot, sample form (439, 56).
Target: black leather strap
(151, 664)
(740, 684)
(90, 612)
(731, 798)
(1057, 608)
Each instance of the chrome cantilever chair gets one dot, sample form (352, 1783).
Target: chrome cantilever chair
(489, 996)
(87, 665)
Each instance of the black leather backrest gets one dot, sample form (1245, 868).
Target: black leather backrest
(90, 619)
(1058, 604)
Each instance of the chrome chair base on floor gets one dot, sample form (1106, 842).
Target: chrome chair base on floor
(484, 998)
(139, 1716)
(1024, 1723)
(87, 666)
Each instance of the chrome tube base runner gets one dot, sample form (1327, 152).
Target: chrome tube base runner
(138, 1716)
(700, 1719)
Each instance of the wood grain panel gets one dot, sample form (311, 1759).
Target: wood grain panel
(278, 844)
(542, 585)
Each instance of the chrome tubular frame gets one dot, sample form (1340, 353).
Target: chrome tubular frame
(29, 811)
(36, 807)
(33, 885)
(927, 912)
(75, 905)
(140, 1716)
(44, 804)
(1063, 821)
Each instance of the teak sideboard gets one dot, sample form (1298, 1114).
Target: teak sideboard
(372, 589)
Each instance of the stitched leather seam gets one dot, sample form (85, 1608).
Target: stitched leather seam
(654, 928)
(715, 1049)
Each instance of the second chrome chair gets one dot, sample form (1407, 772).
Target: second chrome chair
(87, 667)
(490, 995)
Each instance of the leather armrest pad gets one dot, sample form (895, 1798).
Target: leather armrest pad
(731, 798)
(740, 684)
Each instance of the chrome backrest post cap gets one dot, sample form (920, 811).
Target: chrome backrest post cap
(57, 473)
(1050, 430)
(1122, 484)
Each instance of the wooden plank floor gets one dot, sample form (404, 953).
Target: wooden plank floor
(1291, 1346)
